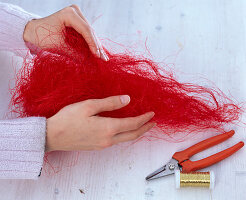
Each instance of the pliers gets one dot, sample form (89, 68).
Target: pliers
(181, 160)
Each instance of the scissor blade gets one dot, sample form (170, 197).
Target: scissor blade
(156, 174)
(164, 170)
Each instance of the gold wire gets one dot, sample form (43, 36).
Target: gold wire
(195, 179)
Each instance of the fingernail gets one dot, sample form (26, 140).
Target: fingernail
(98, 53)
(105, 57)
(124, 99)
(152, 114)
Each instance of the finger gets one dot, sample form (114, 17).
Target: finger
(132, 135)
(107, 104)
(119, 125)
(79, 12)
(103, 54)
(81, 26)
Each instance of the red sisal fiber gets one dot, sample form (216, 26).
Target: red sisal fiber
(69, 74)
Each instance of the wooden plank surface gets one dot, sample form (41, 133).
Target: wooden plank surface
(204, 38)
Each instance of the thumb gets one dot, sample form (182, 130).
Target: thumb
(109, 104)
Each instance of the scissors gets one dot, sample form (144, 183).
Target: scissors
(181, 160)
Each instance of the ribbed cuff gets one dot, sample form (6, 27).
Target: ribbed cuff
(22, 146)
(13, 20)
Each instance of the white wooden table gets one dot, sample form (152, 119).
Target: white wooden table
(204, 38)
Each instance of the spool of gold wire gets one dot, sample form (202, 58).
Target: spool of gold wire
(194, 179)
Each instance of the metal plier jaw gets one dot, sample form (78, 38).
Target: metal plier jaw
(181, 160)
(165, 170)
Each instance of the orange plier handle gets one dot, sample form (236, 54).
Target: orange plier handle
(187, 165)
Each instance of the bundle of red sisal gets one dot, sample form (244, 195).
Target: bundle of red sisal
(69, 74)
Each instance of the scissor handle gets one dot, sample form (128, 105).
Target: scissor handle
(205, 144)
(188, 165)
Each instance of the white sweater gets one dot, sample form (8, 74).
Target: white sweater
(22, 141)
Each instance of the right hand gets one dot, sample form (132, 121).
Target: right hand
(78, 127)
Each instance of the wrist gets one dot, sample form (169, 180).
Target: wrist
(50, 132)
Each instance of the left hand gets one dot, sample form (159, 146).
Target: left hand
(44, 32)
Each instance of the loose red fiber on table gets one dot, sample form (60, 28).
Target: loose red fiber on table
(69, 74)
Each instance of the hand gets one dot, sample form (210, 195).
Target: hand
(78, 127)
(45, 32)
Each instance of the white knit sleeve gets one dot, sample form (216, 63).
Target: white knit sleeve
(22, 146)
(22, 141)
(13, 20)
